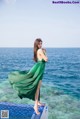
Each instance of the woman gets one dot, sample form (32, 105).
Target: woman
(27, 83)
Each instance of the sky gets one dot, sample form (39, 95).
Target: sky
(22, 21)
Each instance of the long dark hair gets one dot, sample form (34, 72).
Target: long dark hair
(36, 43)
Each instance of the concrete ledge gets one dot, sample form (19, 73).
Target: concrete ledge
(22, 111)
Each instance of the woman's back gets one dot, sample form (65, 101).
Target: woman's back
(41, 54)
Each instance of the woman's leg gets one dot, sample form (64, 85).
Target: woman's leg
(36, 98)
(39, 103)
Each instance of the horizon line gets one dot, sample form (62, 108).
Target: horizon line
(43, 47)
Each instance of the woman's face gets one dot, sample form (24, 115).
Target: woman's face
(40, 45)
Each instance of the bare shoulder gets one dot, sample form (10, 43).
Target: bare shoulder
(39, 50)
(42, 49)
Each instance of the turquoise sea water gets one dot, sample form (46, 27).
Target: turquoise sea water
(61, 81)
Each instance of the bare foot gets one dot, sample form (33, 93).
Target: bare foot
(41, 104)
(36, 110)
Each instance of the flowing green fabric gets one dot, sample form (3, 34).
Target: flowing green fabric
(25, 82)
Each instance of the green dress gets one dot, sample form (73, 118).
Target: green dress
(25, 82)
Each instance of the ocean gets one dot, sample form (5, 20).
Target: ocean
(60, 88)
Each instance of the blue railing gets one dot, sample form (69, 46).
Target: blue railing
(21, 111)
